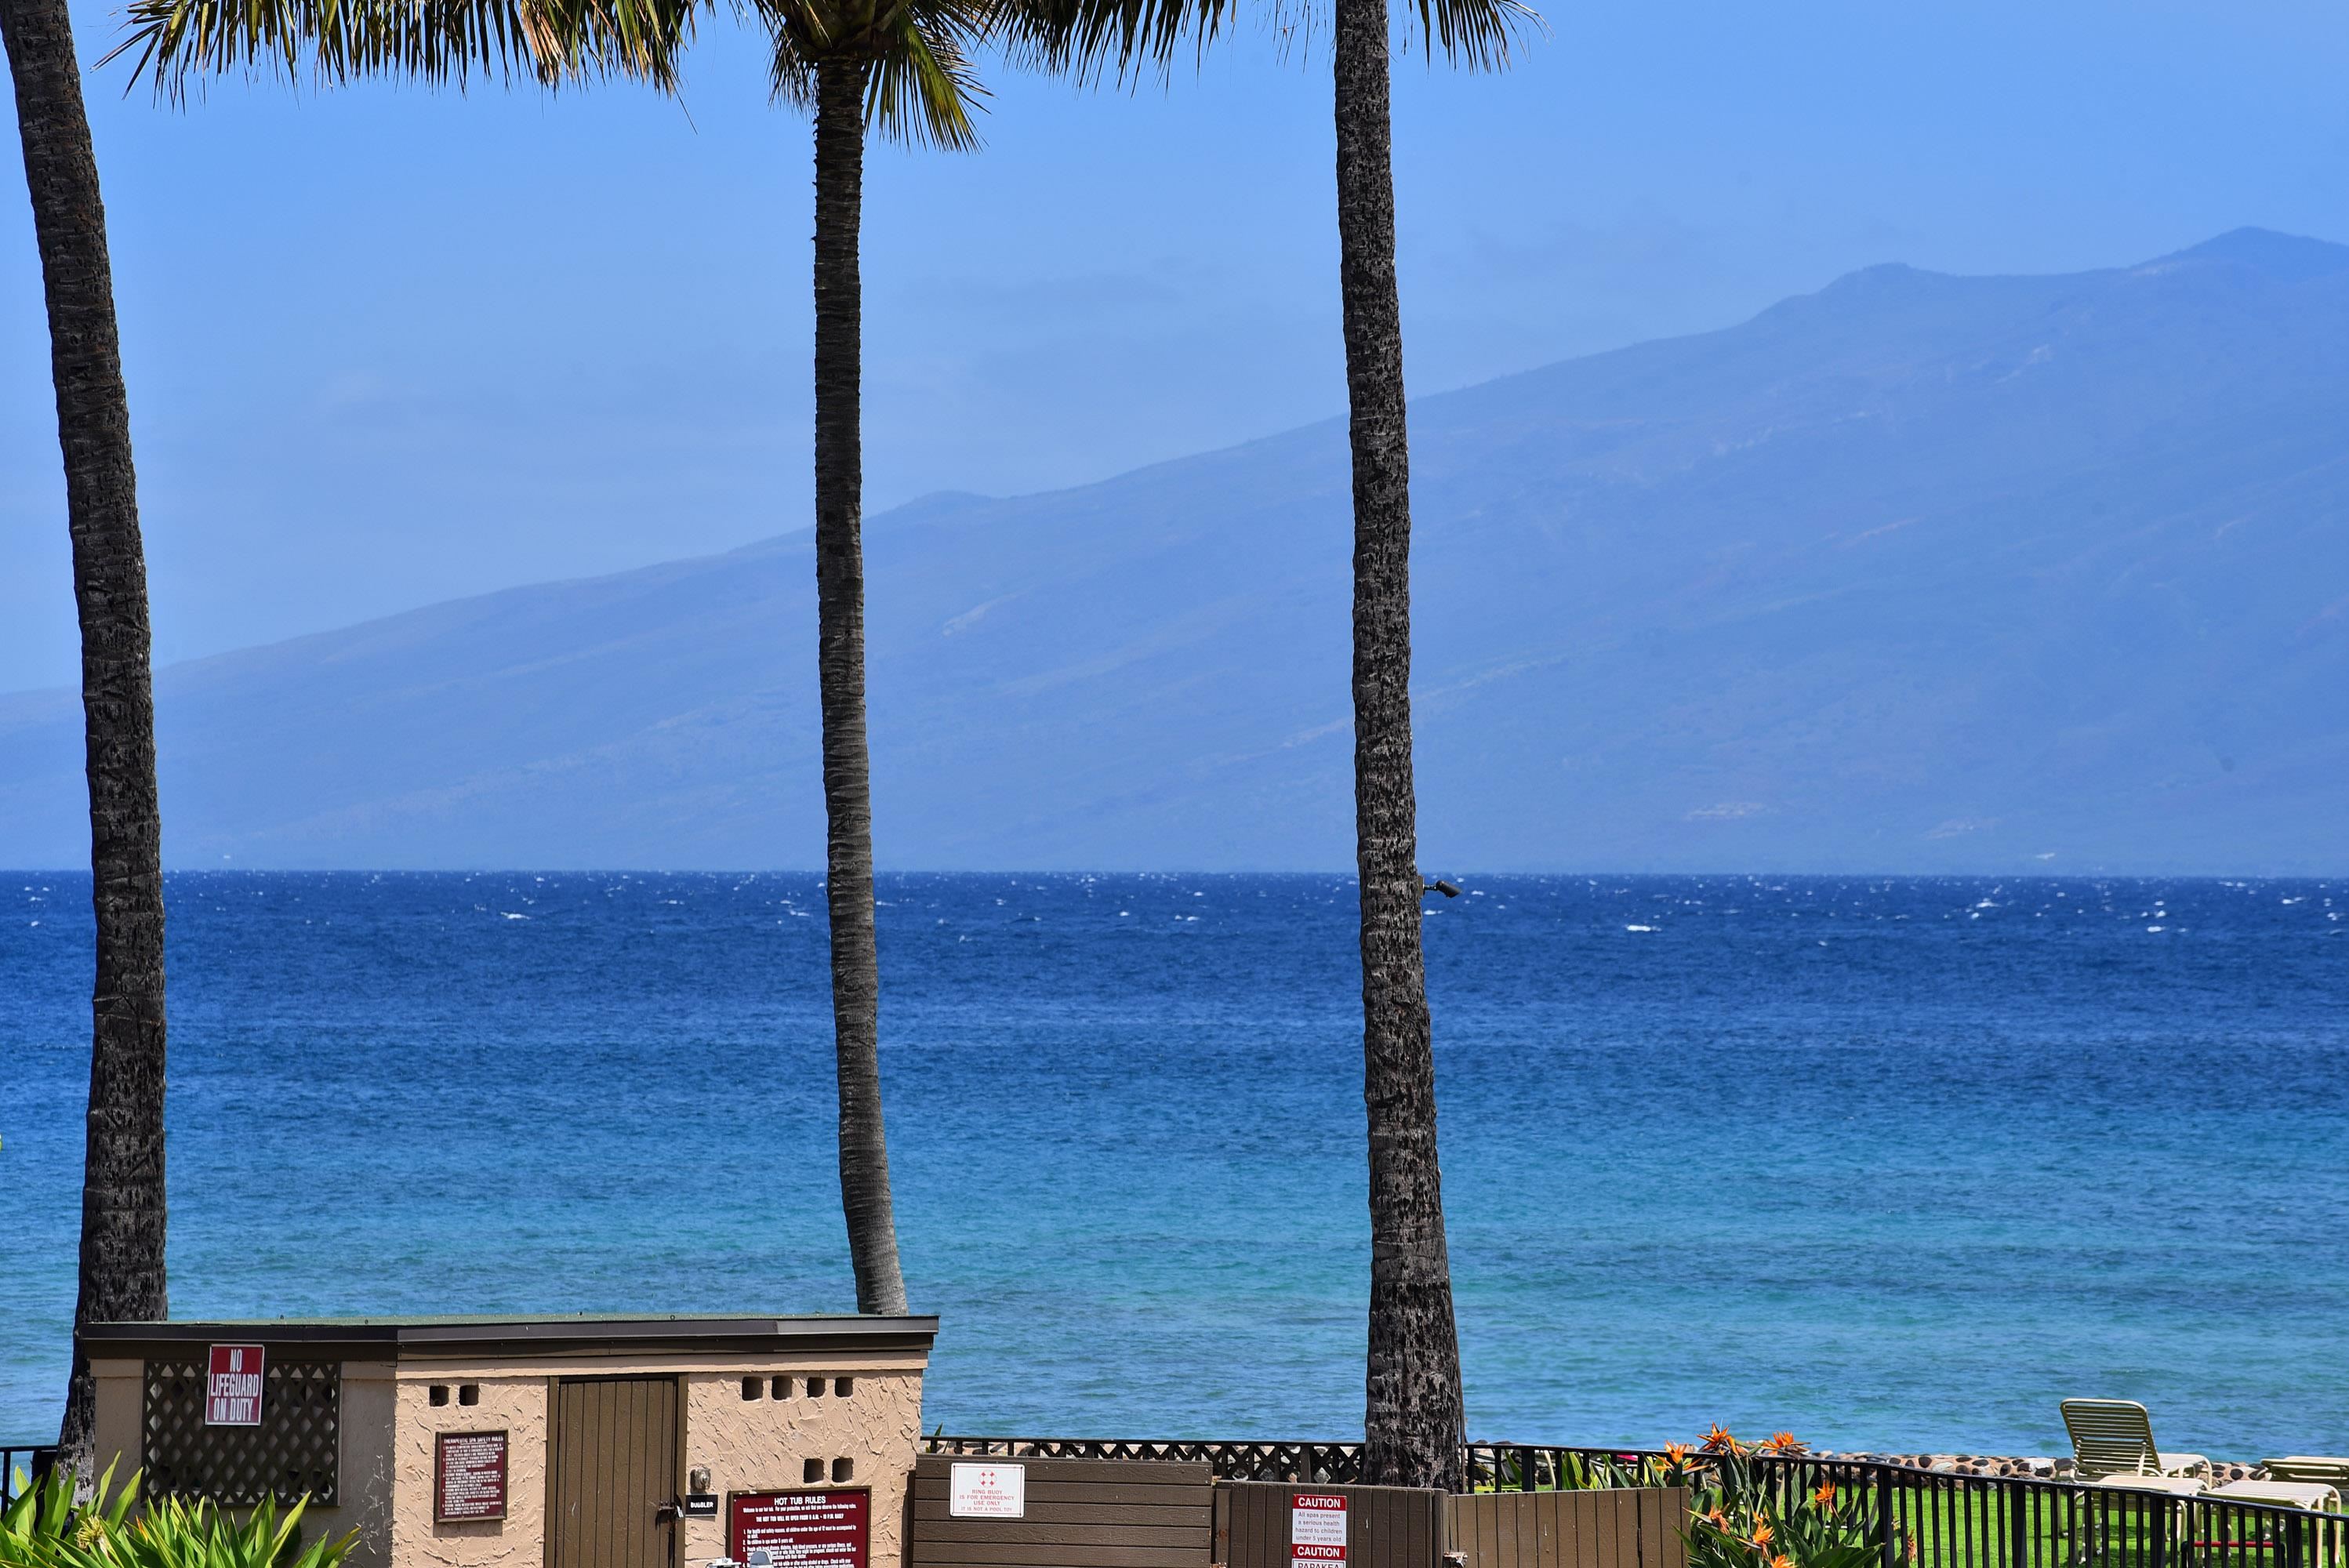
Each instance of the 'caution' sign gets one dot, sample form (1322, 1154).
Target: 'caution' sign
(1317, 1528)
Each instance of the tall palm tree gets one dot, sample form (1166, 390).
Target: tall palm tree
(1414, 1419)
(122, 1195)
(901, 65)
(897, 67)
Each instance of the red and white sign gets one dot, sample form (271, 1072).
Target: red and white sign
(803, 1529)
(1317, 1527)
(468, 1477)
(233, 1386)
(986, 1491)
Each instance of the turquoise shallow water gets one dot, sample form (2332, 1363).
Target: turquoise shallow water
(1892, 1163)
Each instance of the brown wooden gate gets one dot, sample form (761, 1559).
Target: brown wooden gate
(1386, 1526)
(612, 1470)
(1630, 1527)
(1079, 1513)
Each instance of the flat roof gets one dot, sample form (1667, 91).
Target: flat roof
(405, 1338)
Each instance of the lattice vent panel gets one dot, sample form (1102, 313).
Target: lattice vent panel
(292, 1450)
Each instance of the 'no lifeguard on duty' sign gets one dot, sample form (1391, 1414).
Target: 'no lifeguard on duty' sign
(233, 1386)
(1317, 1528)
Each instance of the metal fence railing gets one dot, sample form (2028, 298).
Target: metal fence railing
(24, 1462)
(1933, 1519)
(1917, 1517)
(1328, 1464)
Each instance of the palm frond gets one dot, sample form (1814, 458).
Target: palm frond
(1477, 34)
(435, 41)
(1089, 39)
(920, 84)
(806, 31)
(924, 87)
(791, 78)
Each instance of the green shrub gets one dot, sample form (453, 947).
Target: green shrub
(1734, 1522)
(1582, 1472)
(174, 1534)
(44, 1529)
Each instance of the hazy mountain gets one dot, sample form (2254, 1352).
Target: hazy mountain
(1917, 572)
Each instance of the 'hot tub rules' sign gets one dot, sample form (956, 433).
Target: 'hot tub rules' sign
(233, 1386)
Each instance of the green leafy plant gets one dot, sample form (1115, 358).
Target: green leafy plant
(1735, 1522)
(1583, 1472)
(171, 1534)
(44, 1528)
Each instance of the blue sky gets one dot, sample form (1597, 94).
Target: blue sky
(387, 345)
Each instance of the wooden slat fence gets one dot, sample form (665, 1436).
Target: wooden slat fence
(1080, 1513)
(1386, 1526)
(1633, 1528)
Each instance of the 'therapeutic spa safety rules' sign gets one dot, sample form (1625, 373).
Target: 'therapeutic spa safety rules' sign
(468, 1476)
(1317, 1528)
(232, 1386)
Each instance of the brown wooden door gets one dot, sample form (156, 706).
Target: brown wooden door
(612, 1472)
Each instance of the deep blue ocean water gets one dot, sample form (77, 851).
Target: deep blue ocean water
(1891, 1163)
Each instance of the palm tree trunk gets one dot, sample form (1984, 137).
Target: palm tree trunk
(123, 1203)
(1414, 1423)
(840, 626)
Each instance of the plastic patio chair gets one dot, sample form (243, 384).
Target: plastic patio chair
(2322, 1469)
(2115, 1438)
(2134, 1480)
(2318, 1496)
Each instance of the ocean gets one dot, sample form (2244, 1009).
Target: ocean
(1891, 1163)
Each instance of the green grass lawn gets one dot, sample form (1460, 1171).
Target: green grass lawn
(2034, 1529)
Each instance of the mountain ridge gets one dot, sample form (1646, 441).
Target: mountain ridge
(1915, 573)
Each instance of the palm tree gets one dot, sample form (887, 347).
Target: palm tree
(898, 66)
(1415, 1419)
(901, 64)
(123, 1197)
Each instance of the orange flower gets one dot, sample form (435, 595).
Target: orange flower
(1676, 1454)
(1762, 1533)
(1825, 1496)
(1785, 1443)
(1717, 1518)
(1718, 1439)
(1781, 1561)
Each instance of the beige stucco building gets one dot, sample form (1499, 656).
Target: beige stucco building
(535, 1442)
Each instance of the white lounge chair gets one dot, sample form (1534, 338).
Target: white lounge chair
(2176, 1485)
(2115, 1438)
(2330, 1470)
(2316, 1495)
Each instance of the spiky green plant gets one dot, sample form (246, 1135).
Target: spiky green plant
(1736, 1521)
(44, 1528)
(174, 1534)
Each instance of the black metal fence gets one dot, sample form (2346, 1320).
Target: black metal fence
(1917, 1517)
(1936, 1519)
(27, 1461)
(1328, 1464)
